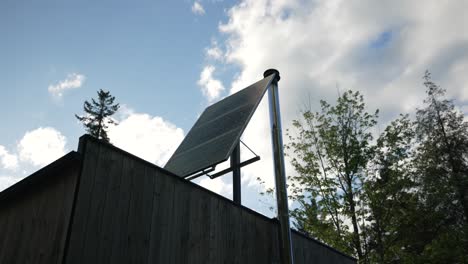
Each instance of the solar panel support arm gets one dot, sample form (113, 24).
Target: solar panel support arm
(279, 168)
(201, 173)
(242, 164)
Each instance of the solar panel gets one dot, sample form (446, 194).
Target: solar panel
(217, 131)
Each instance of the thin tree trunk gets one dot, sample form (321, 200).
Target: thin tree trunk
(356, 238)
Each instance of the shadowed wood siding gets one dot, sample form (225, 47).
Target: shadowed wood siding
(307, 250)
(130, 211)
(34, 215)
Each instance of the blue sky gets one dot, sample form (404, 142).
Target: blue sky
(166, 61)
(148, 54)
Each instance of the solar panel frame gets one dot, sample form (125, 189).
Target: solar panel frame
(217, 131)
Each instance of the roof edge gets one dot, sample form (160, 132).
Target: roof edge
(39, 176)
(86, 137)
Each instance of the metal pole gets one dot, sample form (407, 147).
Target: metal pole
(236, 175)
(280, 175)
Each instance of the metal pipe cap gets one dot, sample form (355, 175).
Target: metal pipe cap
(270, 72)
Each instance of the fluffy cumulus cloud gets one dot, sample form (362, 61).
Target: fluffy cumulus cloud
(8, 160)
(37, 148)
(41, 146)
(73, 81)
(325, 47)
(151, 138)
(211, 87)
(198, 9)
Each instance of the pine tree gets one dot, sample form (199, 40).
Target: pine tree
(97, 115)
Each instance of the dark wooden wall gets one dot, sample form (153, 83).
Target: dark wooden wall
(307, 250)
(130, 211)
(34, 214)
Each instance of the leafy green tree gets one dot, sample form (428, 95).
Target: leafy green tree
(441, 164)
(402, 199)
(389, 195)
(98, 113)
(330, 154)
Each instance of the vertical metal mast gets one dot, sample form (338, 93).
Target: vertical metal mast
(280, 175)
(236, 175)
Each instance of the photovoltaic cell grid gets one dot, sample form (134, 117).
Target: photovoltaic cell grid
(218, 130)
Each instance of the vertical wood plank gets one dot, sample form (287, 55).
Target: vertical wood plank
(4, 219)
(155, 233)
(98, 195)
(109, 222)
(68, 195)
(33, 223)
(213, 230)
(82, 203)
(148, 204)
(181, 221)
(27, 247)
(49, 216)
(198, 228)
(13, 233)
(120, 236)
(161, 239)
(140, 214)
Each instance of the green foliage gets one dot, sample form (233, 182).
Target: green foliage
(388, 195)
(330, 153)
(442, 175)
(402, 198)
(97, 115)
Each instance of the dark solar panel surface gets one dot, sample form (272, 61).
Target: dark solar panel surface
(215, 134)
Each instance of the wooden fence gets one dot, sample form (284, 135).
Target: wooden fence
(126, 210)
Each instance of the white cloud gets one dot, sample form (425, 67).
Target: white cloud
(214, 52)
(217, 185)
(151, 138)
(73, 81)
(7, 181)
(211, 87)
(124, 112)
(380, 49)
(198, 9)
(7, 160)
(41, 146)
